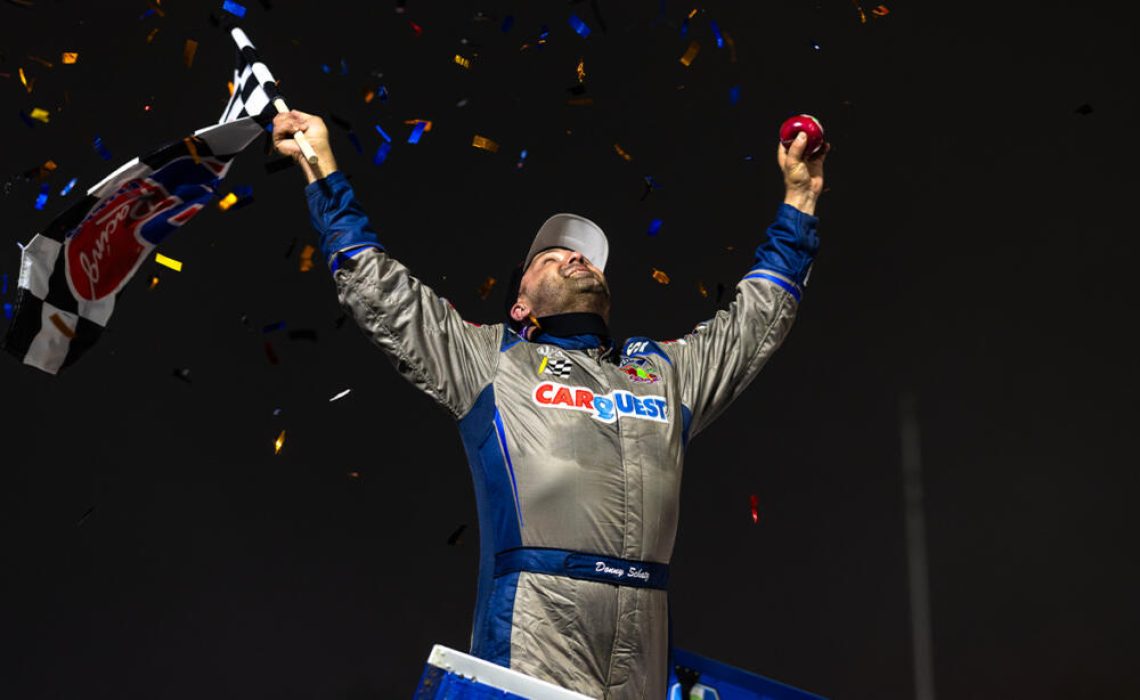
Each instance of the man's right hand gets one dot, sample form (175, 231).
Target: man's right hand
(288, 123)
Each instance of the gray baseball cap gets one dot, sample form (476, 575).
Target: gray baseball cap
(573, 232)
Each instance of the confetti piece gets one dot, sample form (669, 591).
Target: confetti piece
(382, 93)
(8, 311)
(270, 354)
(417, 132)
(4, 284)
(275, 326)
(42, 61)
(462, 62)
(168, 262)
(660, 276)
(650, 185)
(47, 168)
(734, 94)
(381, 153)
(192, 149)
(101, 149)
(188, 51)
(233, 8)
(754, 502)
(151, 35)
(153, 282)
(485, 144)
(228, 201)
(416, 28)
(581, 70)
(341, 395)
(880, 11)
(354, 475)
(654, 227)
(69, 58)
(61, 325)
(579, 26)
(690, 54)
(522, 159)
(486, 287)
(621, 152)
(815, 45)
(279, 443)
(703, 291)
(305, 262)
(454, 538)
(183, 374)
(42, 197)
(24, 80)
(716, 33)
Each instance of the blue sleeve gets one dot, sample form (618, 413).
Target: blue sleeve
(342, 226)
(791, 246)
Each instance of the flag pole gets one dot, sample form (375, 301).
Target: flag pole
(299, 137)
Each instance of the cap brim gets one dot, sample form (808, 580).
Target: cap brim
(574, 233)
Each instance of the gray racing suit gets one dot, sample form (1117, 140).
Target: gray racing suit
(575, 446)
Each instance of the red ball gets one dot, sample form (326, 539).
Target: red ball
(807, 124)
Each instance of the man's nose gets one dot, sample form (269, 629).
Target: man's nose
(576, 257)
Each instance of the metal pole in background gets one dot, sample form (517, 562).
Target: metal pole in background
(917, 574)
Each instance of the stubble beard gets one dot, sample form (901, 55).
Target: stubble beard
(580, 294)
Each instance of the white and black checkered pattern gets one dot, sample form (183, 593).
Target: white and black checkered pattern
(255, 88)
(558, 367)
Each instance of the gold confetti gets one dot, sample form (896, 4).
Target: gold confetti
(690, 53)
(425, 122)
(305, 262)
(660, 276)
(581, 69)
(485, 143)
(153, 282)
(486, 287)
(60, 324)
(462, 62)
(228, 201)
(701, 288)
(42, 61)
(189, 141)
(150, 36)
(40, 115)
(188, 52)
(279, 443)
(621, 152)
(24, 79)
(230, 87)
(693, 12)
(862, 15)
(69, 58)
(168, 262)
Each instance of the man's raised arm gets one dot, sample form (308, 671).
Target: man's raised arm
(425, 338)
(722, 356)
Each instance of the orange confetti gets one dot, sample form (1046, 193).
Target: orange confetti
(230, 87)
(42, 61)
(153, 282)
(369, 95)
(189, 141)
(279, 443)
(462, 62)
(701, 288)
(693, 12)
(859, 8)
(228, 201)
(660, 276)
(425, 122)
(48, 167)
(69, 58)
(690, 53)
(486, 287)
(305, 262)
(880, 11)
(354, 475)
(621, 152)
(62, 325)
(188, 52)
(150, 36)
(581, 69)
(485, 143)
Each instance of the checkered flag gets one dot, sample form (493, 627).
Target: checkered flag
(559, 368)
(254, 86)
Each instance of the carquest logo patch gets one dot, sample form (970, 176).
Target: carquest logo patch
(606, 408)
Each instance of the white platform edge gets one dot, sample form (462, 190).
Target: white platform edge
(496, 676)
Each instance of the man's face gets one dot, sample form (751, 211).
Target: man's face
(562, 281)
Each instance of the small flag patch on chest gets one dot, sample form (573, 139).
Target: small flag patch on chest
(558, 367)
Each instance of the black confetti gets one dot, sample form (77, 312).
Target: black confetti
(456, 536)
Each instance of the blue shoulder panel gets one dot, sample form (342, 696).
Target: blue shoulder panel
(791, 246)
(638, 346)
(340, 222)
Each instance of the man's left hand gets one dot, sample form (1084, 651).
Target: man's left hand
(803, 177)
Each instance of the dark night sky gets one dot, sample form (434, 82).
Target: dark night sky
(978, 251)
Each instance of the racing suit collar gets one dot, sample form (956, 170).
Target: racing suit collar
(573, 331)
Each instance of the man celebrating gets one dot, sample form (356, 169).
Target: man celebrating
(575, 443)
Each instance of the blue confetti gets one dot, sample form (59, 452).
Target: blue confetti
(716, 32)
(67, 188)
(355, 142)
(417, 132)
(654, 227)
(734, 94)
(41, 200)
(543, 33)
(383, 135)
(8, 311)
(146, 14)
(382, 93)
(27, 120)
(579, 26)
(5, 289)
(325, 69)
(382, 153)
(508, 22)
(522, 159)
(685, 27)
(101, 149)
(273, 327)
(233, 8)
